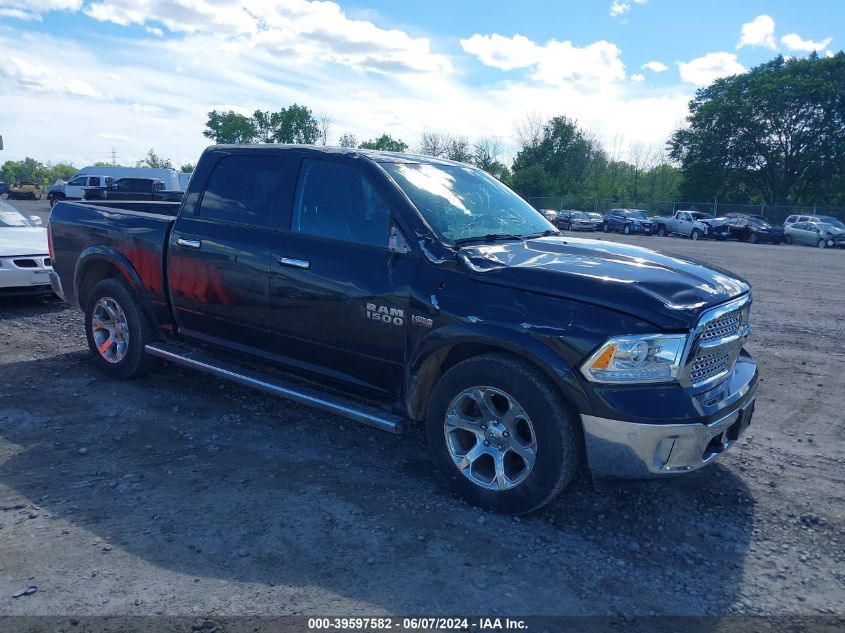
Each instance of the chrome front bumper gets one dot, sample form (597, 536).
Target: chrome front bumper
(629, 450)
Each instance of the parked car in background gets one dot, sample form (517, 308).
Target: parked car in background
(577, 221)
(134, 189)
(627, 221)
(25, 262)
(4, 187)
(692, 224)
(549, 214)
(817, 234)
(825, 219)
(75, 188)
(25, 190)
(753, 229)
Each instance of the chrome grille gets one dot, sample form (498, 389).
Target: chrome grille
(724, 326)
(707, 366)
(717, 342)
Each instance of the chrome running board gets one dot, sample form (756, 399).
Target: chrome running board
(270, 384)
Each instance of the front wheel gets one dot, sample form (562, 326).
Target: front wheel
(117, 331)
(696, 234)
(661, 231)
(787, 239)
(627, 229)
(500, 434)
(753, 238)
(822, 244)
(605, 227)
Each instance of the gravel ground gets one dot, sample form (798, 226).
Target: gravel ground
(181, 494)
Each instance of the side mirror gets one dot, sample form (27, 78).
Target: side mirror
(36, 220)
(396, 243)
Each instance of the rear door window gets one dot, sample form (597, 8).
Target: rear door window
(244, 190)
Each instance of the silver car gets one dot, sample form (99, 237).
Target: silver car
(814, 234)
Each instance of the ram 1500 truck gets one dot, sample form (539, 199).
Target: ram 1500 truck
(693, 224)
(392, 288)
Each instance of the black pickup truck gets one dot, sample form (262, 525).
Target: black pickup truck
(392, 288)
(136, 189)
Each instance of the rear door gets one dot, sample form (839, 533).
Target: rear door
(219, 252)
(338, 296)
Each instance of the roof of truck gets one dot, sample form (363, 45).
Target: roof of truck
(375, 155)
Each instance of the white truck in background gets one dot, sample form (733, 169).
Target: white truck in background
(694, 224)
(94, 176)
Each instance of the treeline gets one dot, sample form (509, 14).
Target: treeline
(554, 158)
(32, 170)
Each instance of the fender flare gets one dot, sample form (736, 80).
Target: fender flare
(492, 336)
(94, 254)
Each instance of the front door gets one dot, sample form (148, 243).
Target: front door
(219, 257)
(75, 189)
(338, 297)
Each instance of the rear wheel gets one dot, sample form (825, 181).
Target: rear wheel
(753, 238)
(117, 331)
(605, 227)
(500, 435)
(787, 239)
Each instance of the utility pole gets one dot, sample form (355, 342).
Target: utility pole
(113, 156)
(1, 141)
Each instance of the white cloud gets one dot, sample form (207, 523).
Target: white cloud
(656, 67)
(40, 78)
(638, 78)
(710, 67)
(114, 137)
(34, 9)
(554, 62)
(794, 43)
(619, 8)
(829, 54)
(759, 32)
(154, 30)
(298, 31)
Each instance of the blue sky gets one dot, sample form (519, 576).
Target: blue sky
(82, 76)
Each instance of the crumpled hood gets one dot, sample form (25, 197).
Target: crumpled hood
(667, 291)
(23, 240)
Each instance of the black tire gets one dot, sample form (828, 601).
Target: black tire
(753, 238)
(556, 432)
(822, 243)
(605, 227)
(627, 229)
(661, 231)
(787, 239)
(696, 234)
(135, 361)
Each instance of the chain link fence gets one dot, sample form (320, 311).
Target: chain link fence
(775, 214)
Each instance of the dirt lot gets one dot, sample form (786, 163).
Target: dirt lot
(181, 494)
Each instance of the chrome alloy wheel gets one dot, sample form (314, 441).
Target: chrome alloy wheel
(110, 330)
(490, 438)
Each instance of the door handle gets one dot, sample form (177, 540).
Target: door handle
(292, 262)
(189, 243)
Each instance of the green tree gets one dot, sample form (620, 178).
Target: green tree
(776, 132)
(561, 157)
(296, 124)
(229, 127)
(347, 139)
(155, 161)
(385, 143)
(187, 168)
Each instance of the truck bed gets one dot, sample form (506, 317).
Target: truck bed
(129, 235)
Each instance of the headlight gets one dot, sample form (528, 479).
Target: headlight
(637, 358)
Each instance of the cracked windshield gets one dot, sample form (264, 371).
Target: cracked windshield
(464, 204)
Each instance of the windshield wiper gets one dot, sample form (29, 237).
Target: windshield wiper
(490, 237)
(546, 233)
